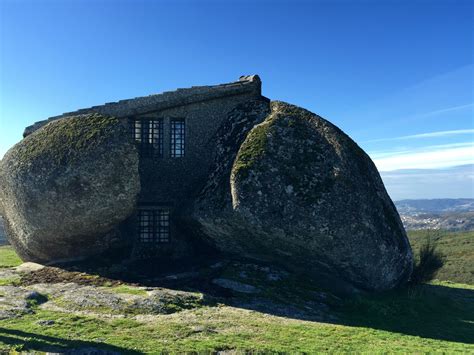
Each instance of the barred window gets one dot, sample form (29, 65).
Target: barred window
(148, 133)
(177, 138)
(154, 226)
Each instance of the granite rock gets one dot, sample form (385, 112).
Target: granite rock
(302, 194)
(66, 187)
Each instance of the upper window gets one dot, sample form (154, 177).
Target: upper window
(148, 133)
(154, 226)
(177, 138)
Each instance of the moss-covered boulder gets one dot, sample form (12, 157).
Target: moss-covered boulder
(65, 187)
(303, 194)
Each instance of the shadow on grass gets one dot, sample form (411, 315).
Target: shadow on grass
(428, 311)
(44, 343)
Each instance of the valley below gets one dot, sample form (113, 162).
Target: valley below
(437, 214)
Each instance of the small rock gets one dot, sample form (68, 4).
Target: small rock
(217, 265)
(29, 267)
(243, 275)
(202, 329)
(235, 286)
(45, 322)
(273, 277)
(183, 275)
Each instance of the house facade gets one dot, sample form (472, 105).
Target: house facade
(176, 134)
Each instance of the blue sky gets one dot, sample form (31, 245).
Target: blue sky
(397, 76)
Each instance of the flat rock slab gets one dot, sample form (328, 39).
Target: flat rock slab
(110, 300)
(16, 301)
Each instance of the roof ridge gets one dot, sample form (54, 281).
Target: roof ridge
(153, 102)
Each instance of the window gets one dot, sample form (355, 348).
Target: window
(148, 133)
(154, 226)
(177, 138)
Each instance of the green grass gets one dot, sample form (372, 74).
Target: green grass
(128, 290)
(8, 257)
(458, 251)
(419, 320)
(11, 281)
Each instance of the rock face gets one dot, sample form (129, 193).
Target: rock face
(301, 193)
(65, 187)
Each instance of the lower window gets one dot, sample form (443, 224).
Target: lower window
(154, 225)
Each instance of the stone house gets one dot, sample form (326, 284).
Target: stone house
(209, 168)
(176, 133)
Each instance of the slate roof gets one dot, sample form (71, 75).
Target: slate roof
(167, 99)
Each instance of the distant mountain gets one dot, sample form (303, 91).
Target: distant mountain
(441, 205)
(446, 213)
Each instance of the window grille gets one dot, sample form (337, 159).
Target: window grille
(154, 226)
(148, 133)
(177, 138)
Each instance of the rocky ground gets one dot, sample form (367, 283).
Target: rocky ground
(33, 286)
(217, 306)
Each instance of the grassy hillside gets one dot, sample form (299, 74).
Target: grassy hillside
(8, 257)
(421, 319)
(458, 251)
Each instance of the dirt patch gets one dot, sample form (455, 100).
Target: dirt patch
(56, 275)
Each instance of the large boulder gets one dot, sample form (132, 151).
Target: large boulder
(65, 187)
(301, 193)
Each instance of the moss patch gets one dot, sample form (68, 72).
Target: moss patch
(251, 150)
(66, 139)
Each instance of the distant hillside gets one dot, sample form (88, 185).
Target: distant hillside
(442, 205)
(457, 249)
(447, 214)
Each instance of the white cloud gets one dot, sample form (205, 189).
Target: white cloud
(454, 182)
(432, 157)
(425, 135)
(444, 110)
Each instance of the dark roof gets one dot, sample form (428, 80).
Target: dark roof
(167, 99)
